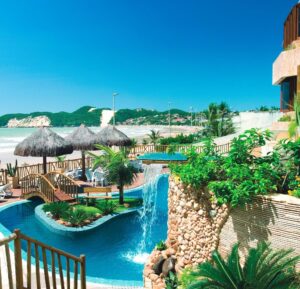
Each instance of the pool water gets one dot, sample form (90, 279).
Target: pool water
(163, 157)
(112, 250)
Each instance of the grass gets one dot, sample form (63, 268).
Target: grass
(129, 204)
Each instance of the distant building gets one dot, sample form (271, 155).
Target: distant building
(286, 68)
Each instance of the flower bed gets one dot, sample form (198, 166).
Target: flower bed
(86, 213)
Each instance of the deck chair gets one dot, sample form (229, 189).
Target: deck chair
(5, 191)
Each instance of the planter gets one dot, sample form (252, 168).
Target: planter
(14, 181)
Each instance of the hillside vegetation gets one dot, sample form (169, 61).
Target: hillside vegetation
(92, 118)
(62, 118)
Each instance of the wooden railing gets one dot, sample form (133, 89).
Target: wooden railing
(37, 185)
(142, 149)
(51, 167)
(66, 165)
(64, 183)
(3, 177)
(40, 259)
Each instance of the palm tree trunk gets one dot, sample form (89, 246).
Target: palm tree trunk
(121, 194)
(83, 177)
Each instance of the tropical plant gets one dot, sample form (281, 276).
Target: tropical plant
(295, 124)
(144, 142)
(161, 246)
(57, 209)
(218, 120)
(154, 136)
(12, 170)
(118, 167)
(106, 207)
(60, 159)
(171, 281)
(234, 178)
(264, 268)
(76, 217)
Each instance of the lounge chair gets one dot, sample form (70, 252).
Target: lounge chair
(89, 175)
(5, 191)
(99, 178)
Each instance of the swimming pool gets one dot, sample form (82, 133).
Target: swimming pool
(111, 250)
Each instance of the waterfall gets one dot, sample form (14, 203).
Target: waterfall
(148, 213)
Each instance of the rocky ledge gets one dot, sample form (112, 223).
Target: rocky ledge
(29, 122)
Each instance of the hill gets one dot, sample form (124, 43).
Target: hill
(92, 117)
(59, 119)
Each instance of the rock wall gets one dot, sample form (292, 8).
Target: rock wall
(197, 226)
(38, 121)
(274, 218)
(194, 224)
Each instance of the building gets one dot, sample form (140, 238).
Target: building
(286, 68)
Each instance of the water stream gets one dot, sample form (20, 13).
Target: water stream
(148, 214)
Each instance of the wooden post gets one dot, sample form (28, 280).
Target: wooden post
(82, 272)
(83, 165)
(45, 165)
(18, 260)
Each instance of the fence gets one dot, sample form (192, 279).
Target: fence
(42, 268)
(66, 165)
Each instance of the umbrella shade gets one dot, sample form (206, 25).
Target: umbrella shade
(110, 136)
(82, 139)
(43, 143)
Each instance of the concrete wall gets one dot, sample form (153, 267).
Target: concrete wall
(286, 65)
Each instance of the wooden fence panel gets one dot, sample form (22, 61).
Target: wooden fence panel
(44, 259)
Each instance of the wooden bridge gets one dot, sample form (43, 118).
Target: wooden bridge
(42, 267)
(51, 187)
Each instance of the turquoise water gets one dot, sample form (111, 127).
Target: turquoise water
(111, 250)
(163, 157)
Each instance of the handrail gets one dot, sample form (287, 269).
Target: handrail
(141, 149)
(46, 265)
(64, 183)
(23, 171)
(36, 183)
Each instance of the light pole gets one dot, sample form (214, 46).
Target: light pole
(169, 104)
(191, 108)
(113, 99)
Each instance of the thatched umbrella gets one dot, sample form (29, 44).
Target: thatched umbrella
(83, 139)
(110, 136)
(43, 143)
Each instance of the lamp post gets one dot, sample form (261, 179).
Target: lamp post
(113, 99)
(169, 104)
(191, 108)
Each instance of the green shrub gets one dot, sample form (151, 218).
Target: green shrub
(187, 278)
(107, 207)
(171, 281)
(285, 118)
(76, 217)
(161, 246)
(234, 178)
(263, 268)
(57, 209)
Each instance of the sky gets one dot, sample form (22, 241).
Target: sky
(61, 55)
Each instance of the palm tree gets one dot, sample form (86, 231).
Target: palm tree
(264, 268)
(154, 136)
(118, 167)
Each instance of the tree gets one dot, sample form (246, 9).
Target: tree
(118, 167)
(264, 268)
(154, 136)
(218, 120)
